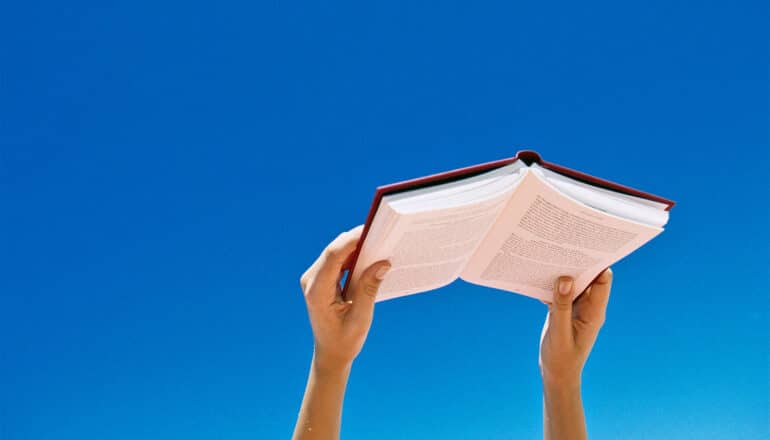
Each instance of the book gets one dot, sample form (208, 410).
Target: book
(515, 224)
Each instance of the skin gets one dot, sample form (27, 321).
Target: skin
(340, 328)
(569, 333)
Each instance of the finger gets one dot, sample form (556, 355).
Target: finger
(561, 310)
(364, 291)
(594, 310)
(328, 266)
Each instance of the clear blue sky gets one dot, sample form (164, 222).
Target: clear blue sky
(168, 170)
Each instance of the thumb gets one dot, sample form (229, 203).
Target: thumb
(561, 309)
(364, 290)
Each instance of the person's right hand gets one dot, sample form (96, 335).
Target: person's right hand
(571, 329)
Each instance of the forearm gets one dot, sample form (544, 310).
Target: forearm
(563, 417)
(321, 412)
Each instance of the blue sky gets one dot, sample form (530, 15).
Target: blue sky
(168, 170)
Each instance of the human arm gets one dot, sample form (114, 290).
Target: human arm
(339, 332)
(568, 336)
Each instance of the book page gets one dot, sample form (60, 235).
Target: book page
(427, 249)
(543, 234)
(623, 205)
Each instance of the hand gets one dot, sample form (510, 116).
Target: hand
(340, 326)
(571, 329)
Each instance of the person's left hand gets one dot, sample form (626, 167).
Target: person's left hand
(340, 326)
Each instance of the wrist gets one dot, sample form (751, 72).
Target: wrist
(329, 366)
(561, 384)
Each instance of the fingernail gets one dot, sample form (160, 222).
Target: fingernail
(350, 301)
(565, 286)
(380, 274)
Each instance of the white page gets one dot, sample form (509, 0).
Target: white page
(622, 205)
(543, 234)
(428, 249)
(458, 193)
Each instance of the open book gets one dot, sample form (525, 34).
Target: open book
(516, 225)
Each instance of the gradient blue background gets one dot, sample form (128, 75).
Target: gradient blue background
(169, 169)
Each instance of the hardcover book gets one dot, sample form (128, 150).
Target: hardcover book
(515, 224)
